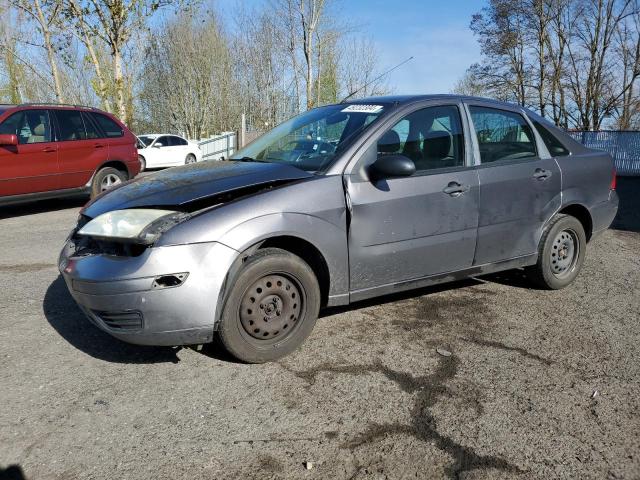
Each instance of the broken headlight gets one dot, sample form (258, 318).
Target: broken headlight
(139, 225)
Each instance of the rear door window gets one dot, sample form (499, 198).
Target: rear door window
(30, 126)
(70, 125)
(108, 126)
(502, 135)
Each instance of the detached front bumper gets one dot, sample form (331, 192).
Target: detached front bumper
(165, 296)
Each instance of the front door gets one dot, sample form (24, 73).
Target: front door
(519, 190)
(32, 165)
(160, 154)
(407, 228)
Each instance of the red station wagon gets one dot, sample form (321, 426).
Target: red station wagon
(55, 150)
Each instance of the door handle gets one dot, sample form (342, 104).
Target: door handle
(98, 145)
(455, 189)
(541, 174)
(48, 149)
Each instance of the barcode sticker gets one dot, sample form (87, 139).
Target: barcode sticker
(363, 108)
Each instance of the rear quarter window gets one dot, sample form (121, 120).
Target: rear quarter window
(110, 128)
(555, 147)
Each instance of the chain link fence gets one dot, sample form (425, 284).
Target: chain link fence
(624, 147)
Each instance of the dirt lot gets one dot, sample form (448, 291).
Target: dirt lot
(368, 396)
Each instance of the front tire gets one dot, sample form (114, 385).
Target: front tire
(143, 163)
(271, 308)
(105, 179)
(561, 253)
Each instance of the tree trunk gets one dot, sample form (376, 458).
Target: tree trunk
(118, 80)
(48, 45)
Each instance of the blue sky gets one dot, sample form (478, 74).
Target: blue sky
(435, 32)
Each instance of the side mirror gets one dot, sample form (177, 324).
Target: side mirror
(388, 166)
(8, 139)
(158, 145)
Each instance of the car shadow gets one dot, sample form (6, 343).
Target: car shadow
(628, 217)
(67, 319)
(42, 206)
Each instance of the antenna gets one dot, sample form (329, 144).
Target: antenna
(375, 79)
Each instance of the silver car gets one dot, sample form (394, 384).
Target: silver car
(342, 203)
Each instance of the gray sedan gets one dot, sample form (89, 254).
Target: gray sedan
(342, 203)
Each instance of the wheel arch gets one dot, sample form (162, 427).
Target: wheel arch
(582, 214)
(117, 164)
(318, 242)
(308, 252)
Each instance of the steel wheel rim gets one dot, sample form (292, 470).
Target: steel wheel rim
(110, 180)
(271, 308)
(565, 250)
(190, 159)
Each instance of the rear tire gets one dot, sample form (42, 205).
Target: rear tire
(272, 307)
(560, 254)
(105, 179)
(191, 158)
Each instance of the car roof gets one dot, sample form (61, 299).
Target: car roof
(156, 135)
(403, 99)
(39, 105)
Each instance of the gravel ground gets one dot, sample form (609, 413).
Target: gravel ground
(368, 396)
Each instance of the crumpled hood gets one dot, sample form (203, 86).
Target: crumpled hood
(181, 185)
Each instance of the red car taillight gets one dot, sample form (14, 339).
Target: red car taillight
(613, 180)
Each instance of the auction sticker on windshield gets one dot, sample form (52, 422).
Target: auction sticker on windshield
(363, 108)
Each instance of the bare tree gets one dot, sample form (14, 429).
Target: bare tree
(45, 15)
(187, 77)
(113, 22)
(574, 60)
(360, 69)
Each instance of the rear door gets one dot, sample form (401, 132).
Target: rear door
(81, 151)
(519, 184)
(32, 165)
(407, 228)
(113, 135)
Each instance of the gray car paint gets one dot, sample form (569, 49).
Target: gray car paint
(375, 237)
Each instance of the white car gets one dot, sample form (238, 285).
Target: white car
(160, 150)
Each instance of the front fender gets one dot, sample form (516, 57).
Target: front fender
(330, 240)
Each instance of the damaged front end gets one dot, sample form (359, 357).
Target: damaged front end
(129, 232)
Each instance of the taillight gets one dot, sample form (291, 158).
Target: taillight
(613, 180)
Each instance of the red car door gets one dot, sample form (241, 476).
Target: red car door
(80, 151)
(32, 165)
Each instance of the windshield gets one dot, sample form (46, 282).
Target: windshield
(145, 140)
(311, 140)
